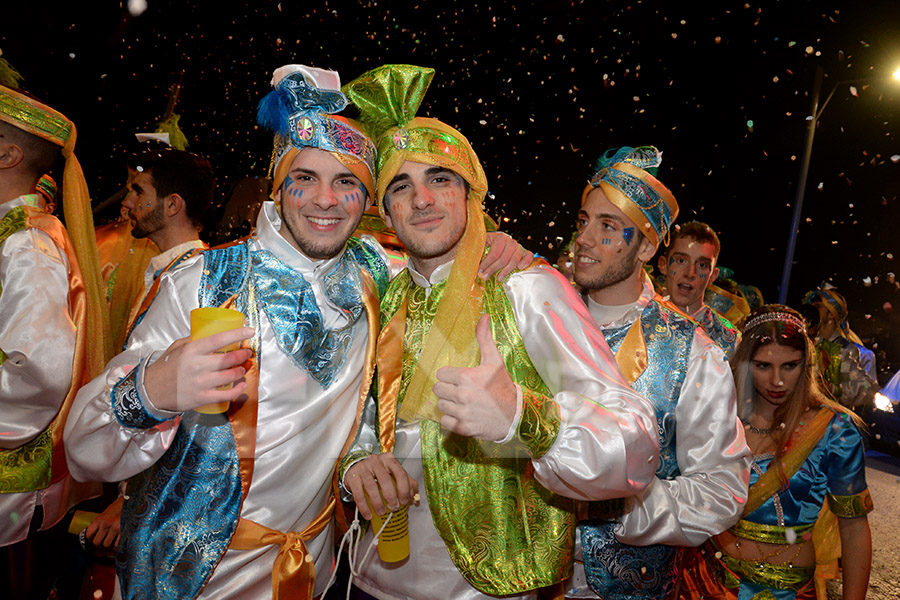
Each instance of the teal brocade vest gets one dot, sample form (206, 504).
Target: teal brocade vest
(617, 571)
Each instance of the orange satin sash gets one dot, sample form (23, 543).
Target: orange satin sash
(294, 572)
(78, 309)
(390, 372)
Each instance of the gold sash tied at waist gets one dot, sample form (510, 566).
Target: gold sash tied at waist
(294, 571)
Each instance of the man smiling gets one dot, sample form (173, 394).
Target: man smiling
(512, 369)
(631, 549)
(207, 514)
(688, 266)
(239, 505)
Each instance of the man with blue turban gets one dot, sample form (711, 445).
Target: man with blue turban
(631, 548)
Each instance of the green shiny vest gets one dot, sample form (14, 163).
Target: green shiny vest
(26, 468)
(505, 532)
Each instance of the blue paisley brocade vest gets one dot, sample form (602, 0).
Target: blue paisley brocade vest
(180, 514)
(617, 571)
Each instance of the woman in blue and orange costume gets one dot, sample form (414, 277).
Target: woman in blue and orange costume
(808, 494)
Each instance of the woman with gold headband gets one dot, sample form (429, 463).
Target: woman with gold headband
(808, 495)
(551, 412)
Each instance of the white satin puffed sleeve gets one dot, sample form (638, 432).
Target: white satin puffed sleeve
(607, 445)
(36, 334)
(98, 446)
(709, 494)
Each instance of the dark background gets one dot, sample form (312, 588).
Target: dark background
(540, 89)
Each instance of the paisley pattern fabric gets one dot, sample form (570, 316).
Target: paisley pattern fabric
(180, 514)
(616, 570)
(127, 405)
(504, 532)
(668, 336)
(291, 306)
(27, 468)
(289, 302)
(186, 506)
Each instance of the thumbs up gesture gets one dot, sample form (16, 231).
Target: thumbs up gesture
(478, 402)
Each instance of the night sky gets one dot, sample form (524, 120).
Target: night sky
(540, 89)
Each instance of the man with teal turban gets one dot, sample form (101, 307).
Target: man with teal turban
(499, 396)
(631, 549)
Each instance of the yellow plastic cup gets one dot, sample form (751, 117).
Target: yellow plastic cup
(393, 543)
(81, 520)
(209, 321)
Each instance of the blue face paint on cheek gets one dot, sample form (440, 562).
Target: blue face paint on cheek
(628, 235)
(606, 242)
(293, 192)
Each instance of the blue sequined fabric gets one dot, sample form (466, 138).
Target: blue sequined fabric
(615, 570)
(290, 304)
(127, 404)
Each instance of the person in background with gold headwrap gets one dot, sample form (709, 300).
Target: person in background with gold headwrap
(688, 265)
(51, 303)
(239, 505)
(511, 368)
(847, 366)
(632, 549)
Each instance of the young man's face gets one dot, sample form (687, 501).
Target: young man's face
(322, 203)
(689, 266)
(426, 206)
(146, 210)
(608, 245)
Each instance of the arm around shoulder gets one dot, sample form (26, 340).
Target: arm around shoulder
(709, 493)
(607, 445)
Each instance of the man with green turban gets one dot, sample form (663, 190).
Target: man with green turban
(500, 396)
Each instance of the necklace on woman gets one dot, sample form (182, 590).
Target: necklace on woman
(757, 430)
